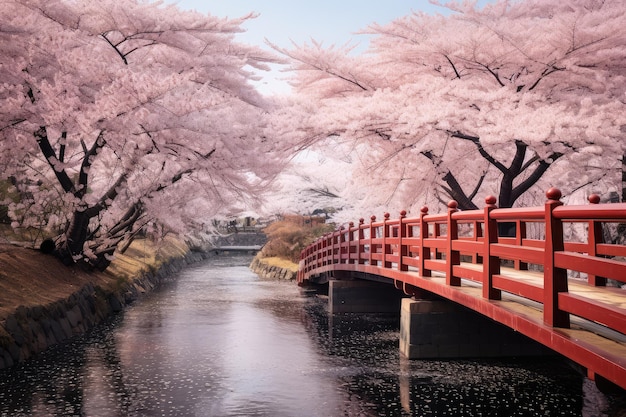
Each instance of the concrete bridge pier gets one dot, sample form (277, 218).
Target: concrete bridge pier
(361, 296)
(440, 329)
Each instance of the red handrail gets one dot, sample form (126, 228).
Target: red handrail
(467, 245)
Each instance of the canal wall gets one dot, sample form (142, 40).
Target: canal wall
(29, 330)
(274, 268)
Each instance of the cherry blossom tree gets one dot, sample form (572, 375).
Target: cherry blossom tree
(504, 100)
(121, 116)
(309, 184)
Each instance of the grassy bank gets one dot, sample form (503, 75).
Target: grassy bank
(281, 263)
(30, 278)
(44, 303)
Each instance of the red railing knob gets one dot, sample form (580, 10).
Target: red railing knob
(361, 220)
(594, 199)
(403, 213)
(491, 200)
(553, 194)
(373, 219)
(452, 204)
(424, 210)
(387, 215)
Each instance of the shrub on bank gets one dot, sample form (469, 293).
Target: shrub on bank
(287, 238)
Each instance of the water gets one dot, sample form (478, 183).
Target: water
(218, 341)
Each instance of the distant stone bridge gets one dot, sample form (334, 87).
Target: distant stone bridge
(240, 242)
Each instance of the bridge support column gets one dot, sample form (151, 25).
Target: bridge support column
(360, 296)
(442, 329)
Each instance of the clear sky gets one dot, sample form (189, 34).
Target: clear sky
(333, 22)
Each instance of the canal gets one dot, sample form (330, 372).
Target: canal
(218, 341)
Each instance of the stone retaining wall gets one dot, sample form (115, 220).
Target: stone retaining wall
(267, 271)
(29, 331)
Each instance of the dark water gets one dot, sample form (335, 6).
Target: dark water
(217, 341)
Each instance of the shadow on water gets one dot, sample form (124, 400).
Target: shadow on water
(218, 341)
(371, 370)
(55, 382)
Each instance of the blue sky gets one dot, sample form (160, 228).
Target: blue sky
(333, 22)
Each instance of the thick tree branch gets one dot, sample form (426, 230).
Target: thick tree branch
(62, 147)
(529, 163)
(486, 155)
(51, 157)
(115, 48)
(478, 185)
(543, 75)
(518, 159)
(83, 175)
(108, 197)
(456, 192)
(532, 179)
(127, 221)
(453, 67)
(492, 72)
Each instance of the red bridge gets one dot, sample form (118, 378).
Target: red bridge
(541, 271)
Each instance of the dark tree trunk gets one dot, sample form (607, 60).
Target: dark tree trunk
(522, 164)
(70, 249)
(75, 237)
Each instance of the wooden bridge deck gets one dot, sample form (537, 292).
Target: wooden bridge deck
(582, 319)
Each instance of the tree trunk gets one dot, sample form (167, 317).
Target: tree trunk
(75, 237)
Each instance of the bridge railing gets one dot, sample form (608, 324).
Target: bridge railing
(485, 245)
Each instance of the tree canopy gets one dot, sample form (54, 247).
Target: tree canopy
(505, 100)
(120, 116)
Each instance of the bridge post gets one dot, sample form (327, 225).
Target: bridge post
(361, 246)
(328, 253)
(342, 245)
(403, 249)
(336, 247)
(323, 251)
(372, 236)
(491, 264)
(350, 243)
(386, 246)
(555, 279)
(424, 252)
(594, 236)
(453, 257)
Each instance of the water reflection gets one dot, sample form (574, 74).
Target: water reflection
(372, 372)
(220, 342)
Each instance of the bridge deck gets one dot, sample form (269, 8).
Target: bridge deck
(461, 256)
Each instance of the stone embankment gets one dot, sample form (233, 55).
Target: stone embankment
(274, 268)
(39, 323)
(43, 303)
